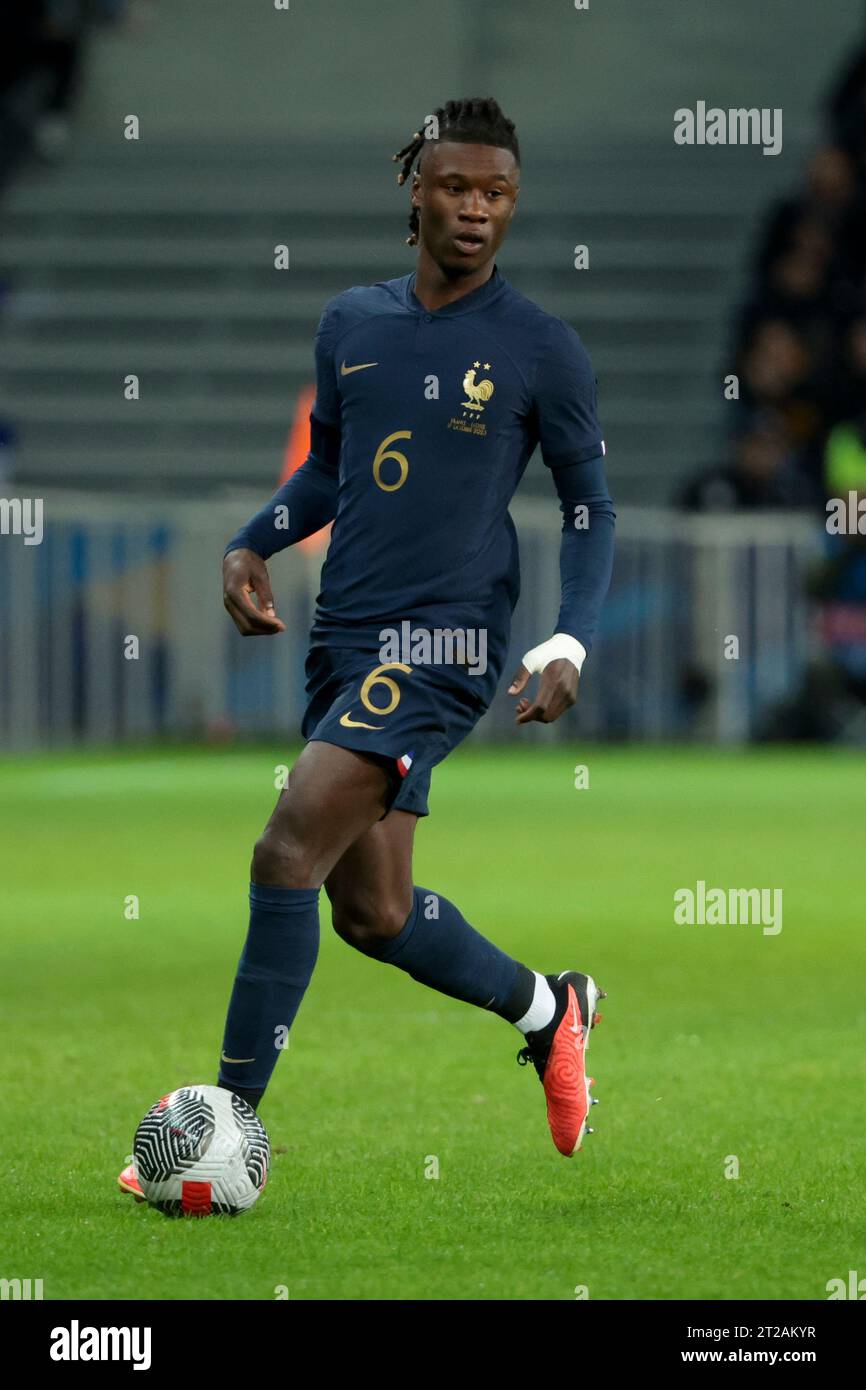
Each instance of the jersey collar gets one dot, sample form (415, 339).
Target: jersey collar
(467, 304)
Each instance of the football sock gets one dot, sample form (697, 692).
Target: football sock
(274, 970)
(541, 1009)
(252, 1097)
(439, 948)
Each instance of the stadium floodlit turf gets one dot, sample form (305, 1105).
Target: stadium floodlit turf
(717, 1041)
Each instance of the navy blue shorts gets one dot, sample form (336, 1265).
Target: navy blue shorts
(408, 716)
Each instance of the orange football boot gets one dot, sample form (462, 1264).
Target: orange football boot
(128, 1182)
(558, 1054)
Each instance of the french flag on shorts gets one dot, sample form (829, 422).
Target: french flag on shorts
(404, 764)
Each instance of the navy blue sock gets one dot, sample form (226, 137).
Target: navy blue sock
(275, 968)
(439, 948)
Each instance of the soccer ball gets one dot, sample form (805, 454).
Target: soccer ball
(201, 1151)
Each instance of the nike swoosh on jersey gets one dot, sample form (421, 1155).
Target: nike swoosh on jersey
(237, 1059)
(361, 367)
(349, 723)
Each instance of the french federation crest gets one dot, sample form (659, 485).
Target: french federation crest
(476, 395)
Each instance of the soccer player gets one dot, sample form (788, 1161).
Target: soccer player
(432, 392)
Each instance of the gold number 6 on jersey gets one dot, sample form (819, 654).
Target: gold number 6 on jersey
(376, 678)
(383, 452)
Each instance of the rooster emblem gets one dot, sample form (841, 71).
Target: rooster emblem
(476, 391)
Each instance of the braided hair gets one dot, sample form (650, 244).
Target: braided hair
(472, 121)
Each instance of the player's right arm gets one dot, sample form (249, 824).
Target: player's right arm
(305, 503)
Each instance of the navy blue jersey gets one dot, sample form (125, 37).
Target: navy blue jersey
(438, 416)
(421, 430)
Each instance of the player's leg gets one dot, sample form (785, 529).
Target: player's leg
(370, 886)
(377, 908)
(333, 795)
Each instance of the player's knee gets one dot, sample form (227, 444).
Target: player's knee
(280, 861)
(369, 925)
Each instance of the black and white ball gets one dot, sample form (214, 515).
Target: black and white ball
(201, 1151)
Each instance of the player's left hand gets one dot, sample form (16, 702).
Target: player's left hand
(557, 692)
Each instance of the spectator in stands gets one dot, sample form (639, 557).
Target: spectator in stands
(800, 337)
(779, 368)
(20, 35)
(845, 458)
(846, 110)
(61, 56)
(42, 45)
(762, 473)
(847, 391)
(831, 702)
(824, 207)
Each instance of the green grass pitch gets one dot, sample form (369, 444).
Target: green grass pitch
(716, 1040)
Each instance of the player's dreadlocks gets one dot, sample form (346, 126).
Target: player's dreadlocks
(472, 121)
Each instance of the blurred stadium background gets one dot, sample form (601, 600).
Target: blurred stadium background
(261, 127)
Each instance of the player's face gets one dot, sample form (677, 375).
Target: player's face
(466, 196)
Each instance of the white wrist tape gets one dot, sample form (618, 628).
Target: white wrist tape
(554, 649)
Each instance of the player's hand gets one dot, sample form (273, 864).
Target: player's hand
(557, 692)
(244, 574)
